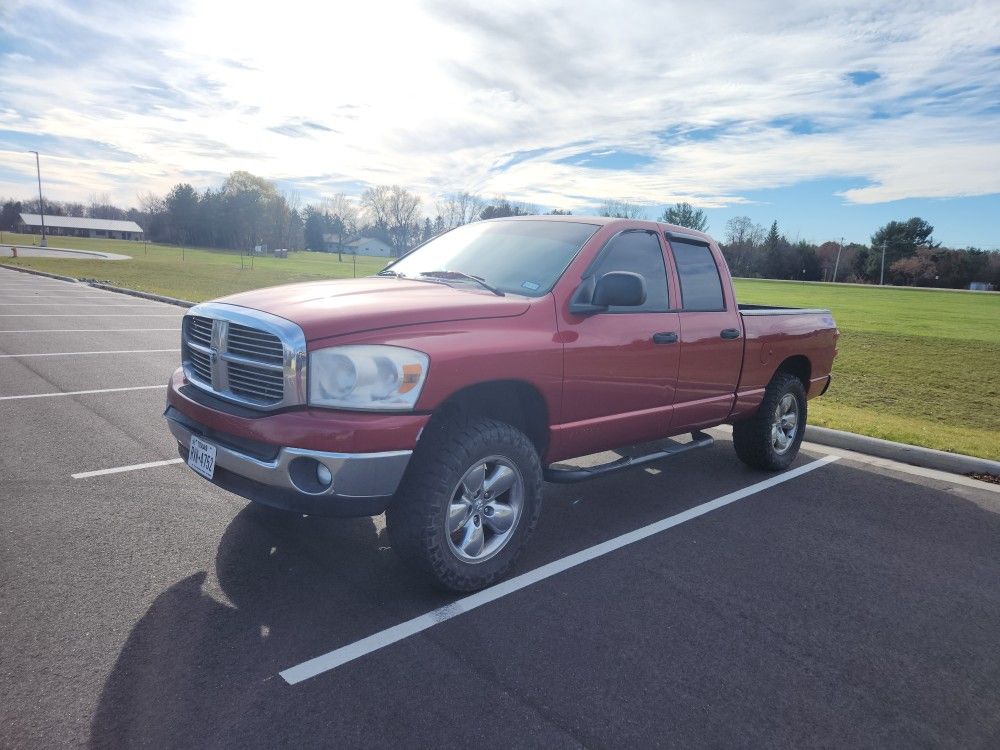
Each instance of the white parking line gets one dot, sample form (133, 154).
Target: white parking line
(74, 354)
(74, 304)
(89, 330)
(345, 654)
(120, 469)
(81, 393)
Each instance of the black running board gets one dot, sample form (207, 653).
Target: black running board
(581, 473)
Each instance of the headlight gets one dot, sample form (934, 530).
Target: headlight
(366, 377)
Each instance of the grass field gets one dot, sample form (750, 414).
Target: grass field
(917, 366)
(192, 274)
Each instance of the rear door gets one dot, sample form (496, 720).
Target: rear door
(711, 351)
(621, 365)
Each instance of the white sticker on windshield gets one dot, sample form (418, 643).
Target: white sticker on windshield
(531, 285)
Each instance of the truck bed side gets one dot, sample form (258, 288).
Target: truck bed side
(803, 341)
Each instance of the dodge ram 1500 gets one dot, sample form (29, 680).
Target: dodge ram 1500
(445, 389)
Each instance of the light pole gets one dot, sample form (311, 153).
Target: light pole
(837, 264)
(41, 204)
(881, 276)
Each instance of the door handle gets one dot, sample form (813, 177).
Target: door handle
(665, 338)
(730, 333)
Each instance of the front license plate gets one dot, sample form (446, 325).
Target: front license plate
(201, 457)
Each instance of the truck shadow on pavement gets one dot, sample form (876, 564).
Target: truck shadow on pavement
(196, 667)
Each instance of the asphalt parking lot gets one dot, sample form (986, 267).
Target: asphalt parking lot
(848, 605)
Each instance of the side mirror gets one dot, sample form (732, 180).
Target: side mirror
(615, 288)
(620, 289)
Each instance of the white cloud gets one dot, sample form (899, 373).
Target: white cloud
(440, 96)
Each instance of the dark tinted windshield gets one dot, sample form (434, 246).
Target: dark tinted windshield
(518, 257)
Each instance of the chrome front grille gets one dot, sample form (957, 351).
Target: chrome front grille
(249, 357)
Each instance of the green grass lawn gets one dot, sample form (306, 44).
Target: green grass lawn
(195, 274)
(917, 366)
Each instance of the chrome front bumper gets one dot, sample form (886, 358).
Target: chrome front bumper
(363, 483)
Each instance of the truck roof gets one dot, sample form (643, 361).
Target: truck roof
(604, 220)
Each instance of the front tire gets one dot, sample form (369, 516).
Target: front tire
(468, 503)
(770, 439)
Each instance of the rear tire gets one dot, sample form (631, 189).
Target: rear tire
(468, 503)
(770, 439)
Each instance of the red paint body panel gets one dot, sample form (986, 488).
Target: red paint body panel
(603, 382)
(334, 308)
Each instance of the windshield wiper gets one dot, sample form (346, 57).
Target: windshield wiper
(390, 272)
(462, 275)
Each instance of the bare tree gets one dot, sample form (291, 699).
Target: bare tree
(460, 208)
(395, 210)
(744, 243)
(101, 207)
(345, 219)
(622, 210)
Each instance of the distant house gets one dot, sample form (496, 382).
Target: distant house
(78, 226)
(360, 246)
(370, 246)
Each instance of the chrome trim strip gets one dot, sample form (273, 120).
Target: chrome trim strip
(292, 369)
(785, 311)
(241, 360)
(355, 475)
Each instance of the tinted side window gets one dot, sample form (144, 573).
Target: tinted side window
(701, 287)
(640, 253)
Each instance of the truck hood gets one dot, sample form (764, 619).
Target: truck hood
(335, 308)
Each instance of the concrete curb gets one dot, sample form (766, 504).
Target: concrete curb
(98, 254)
(928, 458)
(144, 295)
(105, 287)
(39, 273)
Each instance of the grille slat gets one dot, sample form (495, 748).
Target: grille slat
(250, 342)
(255, 382)
(199, 330)
(201, 364)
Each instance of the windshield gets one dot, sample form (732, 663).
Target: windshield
(517, 257)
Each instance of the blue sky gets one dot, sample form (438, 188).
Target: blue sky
(830, 118)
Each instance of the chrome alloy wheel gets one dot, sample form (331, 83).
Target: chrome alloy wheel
(485, 508)
(785, 424)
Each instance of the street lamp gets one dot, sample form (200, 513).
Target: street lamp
(41, 204)
(881, 275)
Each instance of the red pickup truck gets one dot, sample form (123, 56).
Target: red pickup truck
(446, 388)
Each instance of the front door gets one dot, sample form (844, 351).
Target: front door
(620, 366)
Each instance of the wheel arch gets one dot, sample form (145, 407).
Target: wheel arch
(799, 366)
(515, 402)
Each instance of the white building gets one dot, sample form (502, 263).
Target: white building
(369, 246)
(78, 226)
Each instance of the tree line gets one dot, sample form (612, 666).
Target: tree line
(248, 210)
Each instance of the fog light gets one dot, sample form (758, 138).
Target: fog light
(323, 475)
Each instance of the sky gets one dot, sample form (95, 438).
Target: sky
(829, 118)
